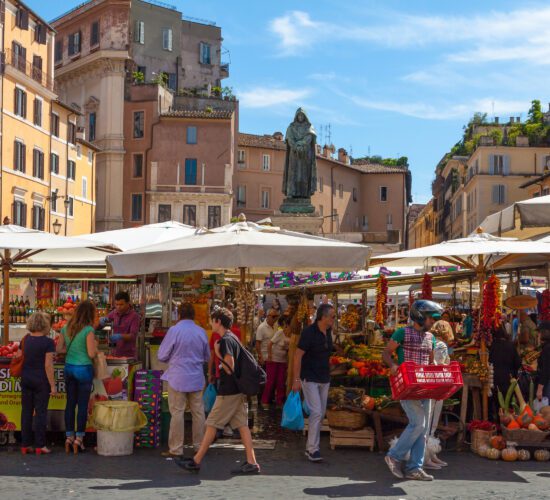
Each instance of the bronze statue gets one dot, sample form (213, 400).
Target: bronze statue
(300, 175)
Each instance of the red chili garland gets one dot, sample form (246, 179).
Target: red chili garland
(545, 306)
(381, 300)
(427, 287)
(490, 310)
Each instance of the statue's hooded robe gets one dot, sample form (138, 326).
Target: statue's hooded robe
(300, 175)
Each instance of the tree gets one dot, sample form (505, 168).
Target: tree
(535, 112)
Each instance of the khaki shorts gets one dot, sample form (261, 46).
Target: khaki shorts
(232, 410)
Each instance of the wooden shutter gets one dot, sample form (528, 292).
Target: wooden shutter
(24, 158)
(491, 164)
(24, 104)
(33, 211)
(494, 197)
(506, 165)
(24, 19)
(43, 34)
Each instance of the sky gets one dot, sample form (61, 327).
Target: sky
(393, 78)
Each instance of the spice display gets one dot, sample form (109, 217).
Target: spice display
(427, 287)
(381, 300)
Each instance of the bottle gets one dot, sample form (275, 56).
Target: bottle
(21, 310)
(12, 304)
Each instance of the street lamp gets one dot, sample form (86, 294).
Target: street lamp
(56, 227)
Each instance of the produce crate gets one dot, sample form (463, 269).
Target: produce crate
(524, 437)
(363, 438)
(379, 386)
(324, 425)
(414, 381)
(346, 420)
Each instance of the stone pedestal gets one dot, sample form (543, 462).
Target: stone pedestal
(302, 223)
(297, 206)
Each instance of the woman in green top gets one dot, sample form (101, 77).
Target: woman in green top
(78, 341)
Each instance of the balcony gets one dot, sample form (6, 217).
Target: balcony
(16, 61)
(224, 70)
(190, 188)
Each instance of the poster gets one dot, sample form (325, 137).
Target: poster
(119, 386)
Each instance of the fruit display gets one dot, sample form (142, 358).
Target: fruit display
(67, 309)
(350, 319)
(542, 455)
(524, 455)
(59, 325)
(339, 397)
(509, 454)
(492, 454)
(8, 351)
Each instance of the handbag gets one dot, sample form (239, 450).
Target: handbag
(16, 364)
(100, 366)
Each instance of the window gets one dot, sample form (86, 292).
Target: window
(19, 153)
(74, 44)
(19, 56)
(38, 164)
(22, 19)
(84, 187)
(139, 32)
(139, 124)
(241, 196)
(38, 217)
(265, 163)
(55, 125)
(191, 171)
(321, 184)
(91, 126)
(204, 53)
(90, 157)
(58, 51)
(71, 170)
(71, 133)
(40, 33)
(165, 213)
(190, 215)
(20, 105)
(172, 81)
(37, 68)
(191, 135)
(341, 190)
(214, 216)
(19, 213)
(383, 193)
(265, 198)
(94, 34)
(137, 170)
(167, 38)
(37, 118)
(499, 165)
(137, 207)
(53, 201)
(142, 70)
(499, 194)
(354, 194)
(54, 163)
(70, 207)
(241, 156)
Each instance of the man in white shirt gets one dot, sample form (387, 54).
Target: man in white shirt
(264, 334)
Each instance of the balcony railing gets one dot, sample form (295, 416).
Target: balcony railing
(190, 188)
(37, 74)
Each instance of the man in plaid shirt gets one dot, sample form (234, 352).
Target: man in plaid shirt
(413, 343)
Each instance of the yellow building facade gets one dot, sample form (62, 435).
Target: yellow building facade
(48, 168)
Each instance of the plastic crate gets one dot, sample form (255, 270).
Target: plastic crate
(414, 381)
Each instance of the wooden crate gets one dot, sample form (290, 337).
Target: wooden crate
(363, 438)
(324, 425)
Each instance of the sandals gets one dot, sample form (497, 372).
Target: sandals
(69, 442)
(78, 445)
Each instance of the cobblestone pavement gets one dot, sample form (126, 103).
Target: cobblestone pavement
(346, 473)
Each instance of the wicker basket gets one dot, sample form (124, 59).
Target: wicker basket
(346, 420)
(481, 438)
(524, 436)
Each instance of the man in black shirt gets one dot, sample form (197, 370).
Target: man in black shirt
(231, 407)
(311, 361)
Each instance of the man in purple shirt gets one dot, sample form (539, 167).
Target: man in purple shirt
(185, 348)
(126, 323)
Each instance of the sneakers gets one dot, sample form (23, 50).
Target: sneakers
(419, 475)
(395, 466)
(188, 464)
(431, 465)
(438, 461)
(169, 454)
(314, 457)
(227, 432)
(247, 468)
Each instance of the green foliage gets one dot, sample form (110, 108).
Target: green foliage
(209, 109)
(497, 136)
(138, 77)
(535, 113)
(227, 93)
(161, 79)
(402, 161)
(217, 91)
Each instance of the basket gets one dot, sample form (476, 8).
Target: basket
(346, 420)
(481, 438)
(524, 437)
(414, 381)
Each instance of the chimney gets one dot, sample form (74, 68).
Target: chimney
(496, 120)
(318, 149)
(343, 156)
(511, 119)
(326, 151)
(518, 119)
(278, 136)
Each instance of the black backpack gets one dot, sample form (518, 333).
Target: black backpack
(249, 375)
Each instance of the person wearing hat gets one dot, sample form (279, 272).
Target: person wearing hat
(413, 343)
(543, 368)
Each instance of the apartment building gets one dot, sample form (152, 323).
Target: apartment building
(111, 53)
(46, 162)
(355, 198)
(421, 228)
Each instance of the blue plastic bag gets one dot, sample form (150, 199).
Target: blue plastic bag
(305, 407)
(293, 418)
(209, 397)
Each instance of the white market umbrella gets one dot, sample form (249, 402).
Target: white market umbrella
(524, 219)
(241, 245)
(136, 237)
(19, 244)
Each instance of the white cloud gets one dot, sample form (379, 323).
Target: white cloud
(294, 30)
(445, 110)
(266, 97)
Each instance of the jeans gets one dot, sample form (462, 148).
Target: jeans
(79, 388)
(177, 403)
(276, 381)
(316, 396)
(35, 395)
(413, 438)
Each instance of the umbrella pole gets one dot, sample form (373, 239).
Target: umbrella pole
(483, 354)
(6, 305)
(243, 326)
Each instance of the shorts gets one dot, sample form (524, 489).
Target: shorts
(232, 410)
